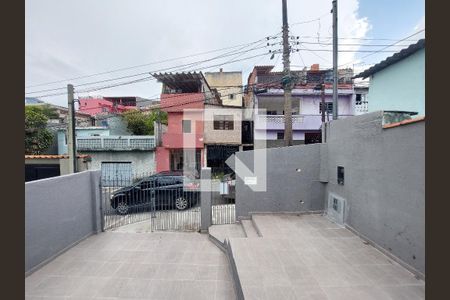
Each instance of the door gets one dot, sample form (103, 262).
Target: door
(116, 173)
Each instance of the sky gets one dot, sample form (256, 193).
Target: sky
(65, 39)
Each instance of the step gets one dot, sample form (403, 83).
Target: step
(249, 229)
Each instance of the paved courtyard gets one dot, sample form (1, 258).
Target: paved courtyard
(309, 257)
(128, 265)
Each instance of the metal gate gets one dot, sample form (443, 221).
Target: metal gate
(169, 201)
(223, 208)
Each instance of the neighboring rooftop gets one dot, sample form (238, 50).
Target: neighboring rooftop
(53, 156)
(393, 59)
(32, 100)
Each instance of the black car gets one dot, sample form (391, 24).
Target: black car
(162, 191)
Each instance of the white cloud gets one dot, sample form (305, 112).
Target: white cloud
(67, 39)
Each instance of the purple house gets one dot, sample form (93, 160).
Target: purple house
(267, 101)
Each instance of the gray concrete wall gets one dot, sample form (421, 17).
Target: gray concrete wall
(286, 187)
(141, 161)
(384, 182)
(59, 212)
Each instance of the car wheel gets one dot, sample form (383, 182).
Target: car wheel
(122, 207)
(181, 203)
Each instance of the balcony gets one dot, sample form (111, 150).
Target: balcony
(299, 122)
(115, 143)
(180, 140)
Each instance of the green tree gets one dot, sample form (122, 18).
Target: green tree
(140, 123)
(37, 137)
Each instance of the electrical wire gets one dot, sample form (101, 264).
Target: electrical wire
(152, 63)
(154, 71)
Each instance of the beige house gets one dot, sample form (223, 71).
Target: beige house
(228, 85)
(222, 135)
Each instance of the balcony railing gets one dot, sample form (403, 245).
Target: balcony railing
(115, 143)
(299, 122)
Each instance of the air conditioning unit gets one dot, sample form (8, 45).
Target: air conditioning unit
(336, 209)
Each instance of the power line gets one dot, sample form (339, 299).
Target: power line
(353, 38)
(164, 69)
(381, 50)
(142, 79)
(151, 63)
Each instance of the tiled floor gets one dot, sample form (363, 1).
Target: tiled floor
(309, 257)
(220, 232)
(130, 265)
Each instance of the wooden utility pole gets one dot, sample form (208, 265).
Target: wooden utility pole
(335, 59)
(287, 80)
(71, 141)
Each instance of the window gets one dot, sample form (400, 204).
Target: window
(340, 175)
(223, 122)
(280, 135)
(358, 99)
(104, 109)
(271, 112)
(231, 96)
(186, 126)
(329, 107)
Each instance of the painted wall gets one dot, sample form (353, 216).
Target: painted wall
(162, 159)
(227, 83)
(384, 182)
(59, 212)
(94, 106)
(285, 186)
(141, 161)
(400, 86)
(83, 164)
(79, 132)
(213, 136)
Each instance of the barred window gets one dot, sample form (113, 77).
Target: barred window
(223, 122)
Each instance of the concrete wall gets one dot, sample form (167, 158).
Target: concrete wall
(285, 186)
(400, 86)
(59, 212)
(212, 136)
(83, 164)
(384, 182)
(227, 83)
(80, 132)
(141, 161)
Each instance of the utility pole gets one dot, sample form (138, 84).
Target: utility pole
(323, 111)
(335, 59)
(71, 141)
(287, 80)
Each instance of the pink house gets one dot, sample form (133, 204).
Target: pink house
(183, 98)
(98, 105)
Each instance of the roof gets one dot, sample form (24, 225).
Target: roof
(393, 59)
(185, 81)
(404, 122)
(32, 100)
(53, 156)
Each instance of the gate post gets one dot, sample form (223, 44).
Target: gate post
(205, 199)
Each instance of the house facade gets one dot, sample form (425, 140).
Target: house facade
(265, 97)
(228, 85)
(222, 135)
(397, 83)
(118, 156)
(106, 105)
(183, 97)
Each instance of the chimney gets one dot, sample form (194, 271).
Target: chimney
(315, 67)
(220, 70)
